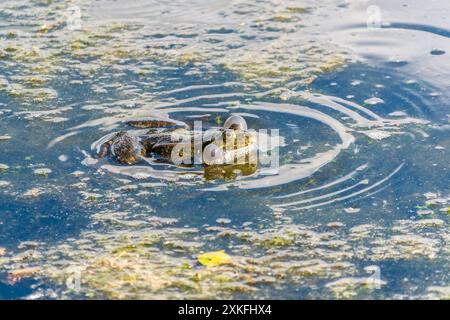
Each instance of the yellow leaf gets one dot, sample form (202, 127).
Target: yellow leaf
(216, 258)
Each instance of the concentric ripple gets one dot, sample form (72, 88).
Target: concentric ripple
(317, 132)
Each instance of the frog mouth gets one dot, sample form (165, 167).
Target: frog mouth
(240, 153)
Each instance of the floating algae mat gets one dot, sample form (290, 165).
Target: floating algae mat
(352, 200)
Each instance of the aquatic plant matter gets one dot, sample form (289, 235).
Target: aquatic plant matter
(42, 172)
(18, 274)
(54, 50)
(351, 287)
(157, 260)
(4, 184)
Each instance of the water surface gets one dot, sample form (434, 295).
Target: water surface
(359, 207)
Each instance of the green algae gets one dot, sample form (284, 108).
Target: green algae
(130, 264)
(3, 167)
(103, 46)
(299, 10)
(277, 241)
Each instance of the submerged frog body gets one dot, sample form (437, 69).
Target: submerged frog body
(221, 150)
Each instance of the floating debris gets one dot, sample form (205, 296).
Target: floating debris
(335, 225)
(63, 158)
(28, 245)
(352, 210)
(44, 115)
(399, 114)
(373, 101)
(128, 188)
(347, 288)
(431, 195)
(5, 137)
(424, 212)
(44, 172)
(408, 246)
(91, 196)
(17, 275)
(377, 134)
(432, 222)
(33, 193)
(223, 221)
(438, 292)
(4, 184)
(216, 258)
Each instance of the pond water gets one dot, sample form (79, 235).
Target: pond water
(358, 206)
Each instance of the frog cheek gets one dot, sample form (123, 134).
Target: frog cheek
(132, 159)
(235, 123)
(213, 155)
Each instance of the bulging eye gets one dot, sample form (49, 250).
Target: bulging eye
(235, 123)
(212, 154)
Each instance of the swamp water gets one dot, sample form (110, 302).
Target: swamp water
(359, 207)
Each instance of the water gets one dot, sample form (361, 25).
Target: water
(358, 208)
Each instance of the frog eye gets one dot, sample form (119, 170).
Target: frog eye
(212, 154)
(235, 123)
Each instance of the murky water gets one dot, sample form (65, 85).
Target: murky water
(359, 205)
